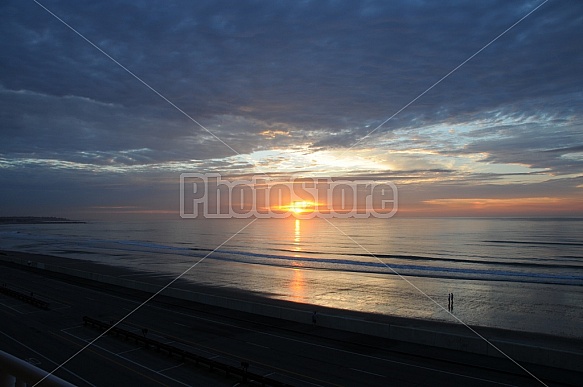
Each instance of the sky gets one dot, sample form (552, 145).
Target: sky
(343, 89)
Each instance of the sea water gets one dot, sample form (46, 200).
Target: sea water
(524, 274)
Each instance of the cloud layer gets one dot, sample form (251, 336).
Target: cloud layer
(290, 86)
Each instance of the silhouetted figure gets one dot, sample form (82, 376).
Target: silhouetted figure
(314, 318)
(448, 301)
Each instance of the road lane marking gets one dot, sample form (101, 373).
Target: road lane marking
(128, 351)
(44, 357)
(297, 340)
(101, 293)
(330, 348)
(64, 330)
(257, 345)
(42, 297)
(368, 372)
(285, 372)
(61, 307)
(109, 359)
(128, 360)
(313, 384)
(7, 312)
(8, 306)
(169, 368)
(75, 327)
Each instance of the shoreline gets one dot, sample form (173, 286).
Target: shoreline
(538, 348)
(12, 220)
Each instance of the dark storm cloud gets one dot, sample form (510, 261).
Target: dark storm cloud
(326, 65)
(77, 128)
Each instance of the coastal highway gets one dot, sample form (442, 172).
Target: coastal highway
(297, 354)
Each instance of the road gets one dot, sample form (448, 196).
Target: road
(297, 354)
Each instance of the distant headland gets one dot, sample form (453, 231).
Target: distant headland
(35, 220)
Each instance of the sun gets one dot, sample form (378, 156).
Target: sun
(301, 207)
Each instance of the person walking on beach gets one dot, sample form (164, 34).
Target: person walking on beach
(448, 301)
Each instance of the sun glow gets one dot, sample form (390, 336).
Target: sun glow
(298, 208)
(301, 207)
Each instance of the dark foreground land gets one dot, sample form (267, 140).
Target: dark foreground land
(284, 351)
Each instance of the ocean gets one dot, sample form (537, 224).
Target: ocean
(521, 274)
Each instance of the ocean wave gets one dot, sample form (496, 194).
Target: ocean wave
(403, 269)
(453, 260)
(537, 243)
(430, 266)
(151, 245)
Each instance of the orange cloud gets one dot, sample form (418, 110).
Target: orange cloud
(490, 203)
(274, 133)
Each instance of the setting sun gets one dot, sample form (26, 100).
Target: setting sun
(301, 207)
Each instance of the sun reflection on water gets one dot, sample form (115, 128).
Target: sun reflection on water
(297, 285)
(297, 237)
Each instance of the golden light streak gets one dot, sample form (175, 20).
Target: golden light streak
(488, 202)
(297, 236)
